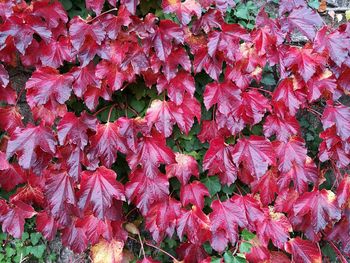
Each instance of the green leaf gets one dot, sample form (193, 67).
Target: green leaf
(137, 105)
(67, 4)
(242, 11)
(268, 79)
(213, 184)
(246, 235)
(215, 260)
(245, 247)
(34, 238)
(10, 251)
(207, 248)
(228, 189)
(38, 251)
(25, 236)
(314, 4)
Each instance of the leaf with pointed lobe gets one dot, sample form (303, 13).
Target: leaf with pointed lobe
(11, 118)
(184, 167)
(287, 5)
(285, 200)
(282, 127)
(110, 73)
(144, 190)
(148, 260)
(218, 160)
(46, 225)
(289, 92)
(74, 130)
(256, 153)
(300, 174)
(47, 84)
(52, 11)
(106, 143)
(160, 115)
(26, 141)
(225, 95)
(97, 189)
(22, 29)
(96, 228)
(344, 79)
(209, 131)
(338, 116)
(13, 218)
(165, 34)
(178, 87)
(129, 128)
(211, 65)
(303, 61)
(4, 164)
(193, 193)
(55, 53)
(333, 148)
(225, 219)
(251, 211)
(266, 186)
(11, 177)
(183, 10)
(320, 205)
(274, 227)
(161, 218)
(93, 94)
(334, 42)
(186, 113)
(83, 77)
(113, 24)
(304, 20)
(97, 5)
(292, 151)
(323, 84)
(60, 193)
(74, 237)
(195, 225)
(303, 250)
(210, 20)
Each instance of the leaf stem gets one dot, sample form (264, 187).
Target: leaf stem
(339, 254)
(102, 14)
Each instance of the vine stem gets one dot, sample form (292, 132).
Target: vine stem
(158, 248)
(264, 90)
(340, 255)
(142, 248)
(110, 113)
(102, 14)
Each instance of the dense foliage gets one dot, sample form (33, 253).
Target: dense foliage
(184, 130)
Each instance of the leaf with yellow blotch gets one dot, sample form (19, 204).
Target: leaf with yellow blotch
(109, 252)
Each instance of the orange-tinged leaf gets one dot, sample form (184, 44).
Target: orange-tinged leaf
(107, 251)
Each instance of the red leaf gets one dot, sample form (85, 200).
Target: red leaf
(282, 127)
(161, 218)
(13, 219)
(83, 77)
(60, 194)
(266, 186)
(166, 33)
(322, 84)
(11, 177)
(225, 218)
(11, 118)
(193, 193)
(52, 11)
(47, 84)
(211, 65)
(256, 153)
(184, 167)
(178, 87)
(320, 205)
(276, 227)
(73, 130)
(4, 76)
(74, 237)
(289, 93)
(183, 10)
(55, 53)
(209, 131)
(106, 142)
(98, 189)
(151, 152)
(305, 20)
(303, 250)
(31, 144)
(339, 117)
(144, 190)
(97, 5)
(46, 225)
(195, 225)
(131, 5)
(343, 191)
(218, 160)
(340, 233)
(189, 252)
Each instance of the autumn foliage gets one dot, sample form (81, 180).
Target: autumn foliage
(60, 164)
